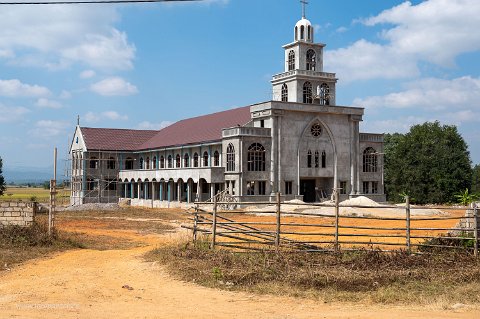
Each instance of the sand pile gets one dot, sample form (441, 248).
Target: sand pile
(359, 201)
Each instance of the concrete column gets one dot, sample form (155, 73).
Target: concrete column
(179, 192)
(274, 155)
(125, 186)
(212, 189)
(145, 190)
(153, 191)
(169, 191)
(357, 155)
(139, 190)
(199, 191)
(161, 191)
(189, 192)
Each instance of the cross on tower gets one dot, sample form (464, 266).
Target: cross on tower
(304, 2)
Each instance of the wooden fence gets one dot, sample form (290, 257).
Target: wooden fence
(301, 230)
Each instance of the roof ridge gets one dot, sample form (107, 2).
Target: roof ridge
(119, 129)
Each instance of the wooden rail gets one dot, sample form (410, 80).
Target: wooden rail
(277, 229)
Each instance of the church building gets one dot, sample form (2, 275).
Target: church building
(301, 144)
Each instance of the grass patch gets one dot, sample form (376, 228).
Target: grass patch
(39, 194)
(367, 276)
(19, 244)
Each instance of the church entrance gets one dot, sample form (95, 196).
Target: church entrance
(307, 189)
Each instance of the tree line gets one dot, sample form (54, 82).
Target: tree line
(431, 164)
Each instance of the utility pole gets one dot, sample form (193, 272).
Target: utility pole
(53, 194)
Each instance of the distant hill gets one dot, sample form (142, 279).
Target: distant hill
(22, 175)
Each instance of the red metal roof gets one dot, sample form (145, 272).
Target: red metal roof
(202, 129)
(108, 139)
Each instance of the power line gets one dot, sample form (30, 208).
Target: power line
(91, 2)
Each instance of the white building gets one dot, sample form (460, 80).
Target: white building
(300, 144)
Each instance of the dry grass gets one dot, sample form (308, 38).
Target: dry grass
(40, 194)
(367, 276)
(19, 244)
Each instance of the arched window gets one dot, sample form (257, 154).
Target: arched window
(230, 158)
(111, 163)
(370, 160)
(256, 157)
(186, 160)
(170, 161)
(309, 158)
(195, 159)
(302, 32)
(291, 60)
(311, 60)
(162, 162)
(284, 93)
(93, 162)
(147, 163)
(216, 159)
(129, 163)
(205, 159)
(317, 159)
(154, 163)
(309, 32)
(324, 159)
(324, 94)
(178, 161)
(307, 92)
(141, 163)
(296, 33)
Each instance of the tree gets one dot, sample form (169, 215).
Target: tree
(2, 180)
(476, 179)
(430, 163)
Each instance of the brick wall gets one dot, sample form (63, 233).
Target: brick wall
(17, 213)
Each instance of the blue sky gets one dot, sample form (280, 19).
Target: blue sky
(147, 65)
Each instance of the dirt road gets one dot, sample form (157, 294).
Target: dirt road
(88, 284)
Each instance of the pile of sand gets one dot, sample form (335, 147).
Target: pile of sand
(359, 201)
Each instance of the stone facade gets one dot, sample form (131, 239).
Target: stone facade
(301, 144)
(17, 213)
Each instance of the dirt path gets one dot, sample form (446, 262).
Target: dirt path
(88, 284)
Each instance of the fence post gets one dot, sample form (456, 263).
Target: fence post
(214, 222)
(277, 233)
(407, 212)
(475, 228)
(337, 216)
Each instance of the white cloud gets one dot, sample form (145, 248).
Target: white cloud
(114, 116)
(12, 114)
(87, 74)
(434, 31)
(57, 36)
(430, 94)
(6, 54)
(65, 95)
(114, 86)
(92, 117)
(399, 125)
(49, 104)
(146, 125)
(49, 128)
(341, 30)
(15, 88)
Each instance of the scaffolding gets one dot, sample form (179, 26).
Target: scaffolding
(93, 176)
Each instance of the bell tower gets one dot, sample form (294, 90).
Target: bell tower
(303, 80)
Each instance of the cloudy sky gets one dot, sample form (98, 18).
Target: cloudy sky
(147, 65)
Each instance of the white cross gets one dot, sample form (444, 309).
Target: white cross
(304, 2)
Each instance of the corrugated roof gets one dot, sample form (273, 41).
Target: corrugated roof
(108, 139)
(200, 129)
